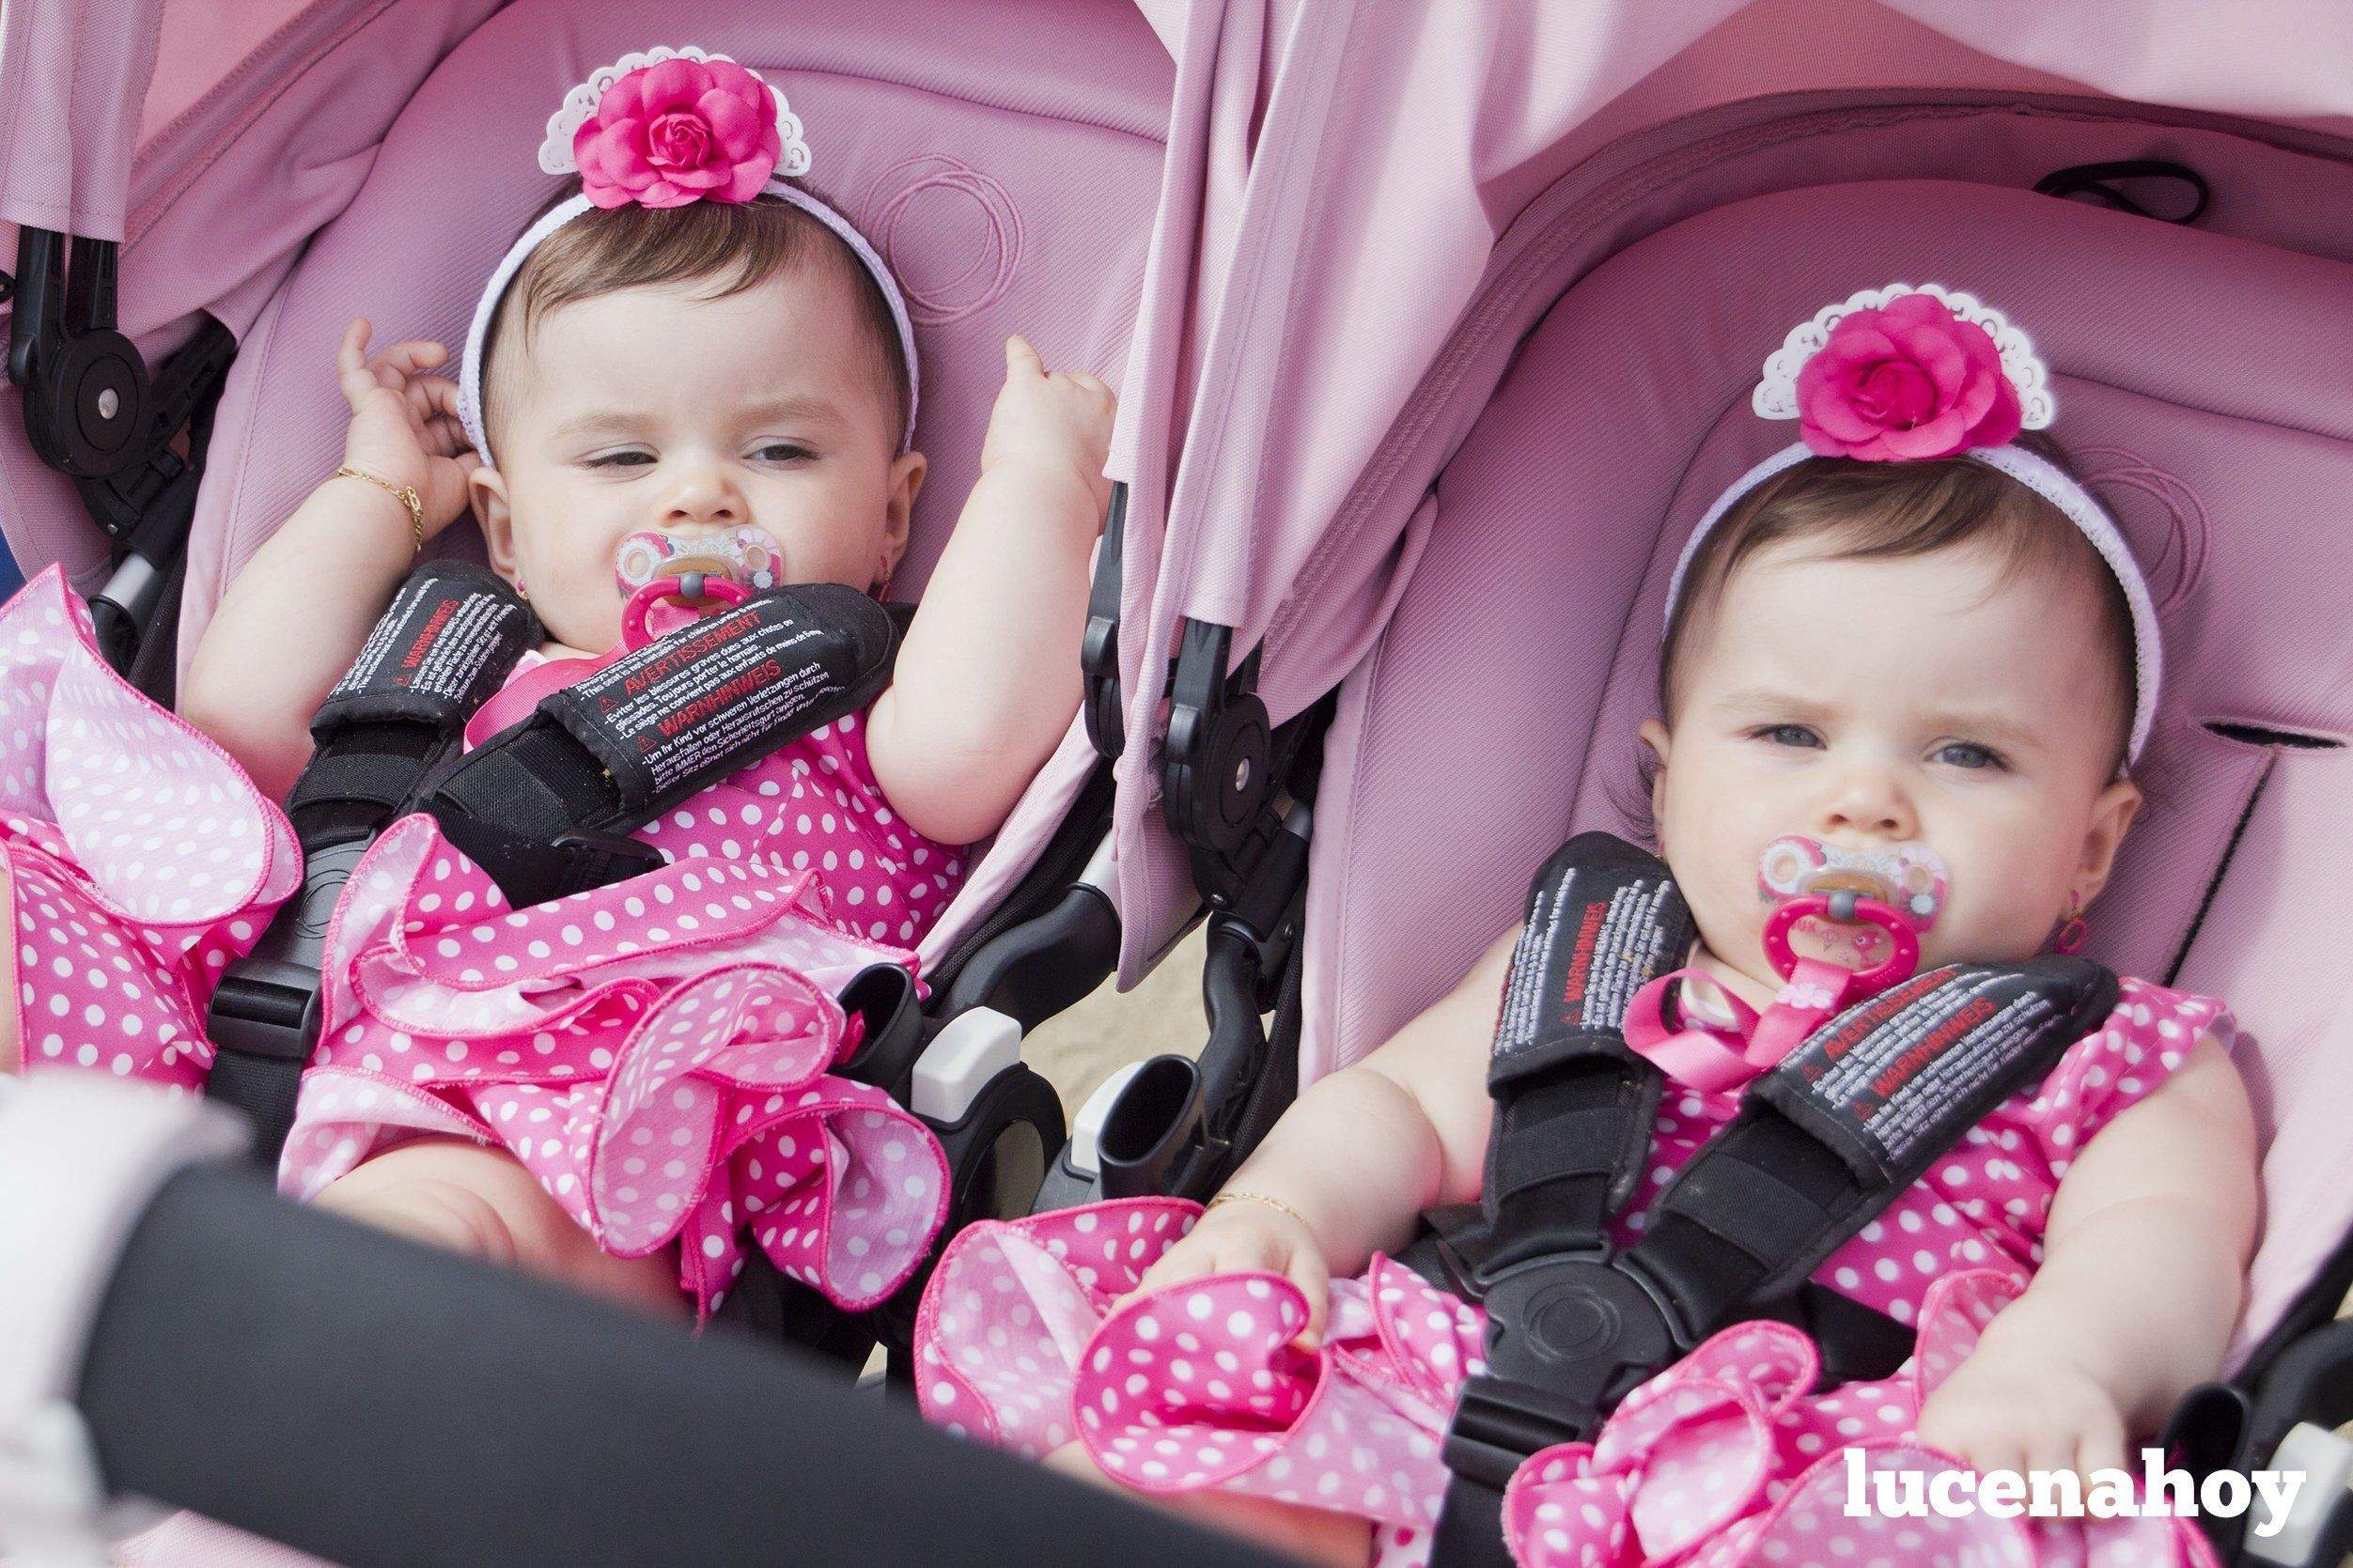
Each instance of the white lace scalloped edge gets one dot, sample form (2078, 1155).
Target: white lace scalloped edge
(1776, 396)
(580, 105)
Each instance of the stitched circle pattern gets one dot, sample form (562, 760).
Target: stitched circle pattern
(935, 190)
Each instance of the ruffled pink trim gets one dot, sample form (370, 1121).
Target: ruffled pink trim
(656, 1053)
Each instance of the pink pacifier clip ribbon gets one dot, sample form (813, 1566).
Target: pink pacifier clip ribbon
(514, 702)
(1813, 989)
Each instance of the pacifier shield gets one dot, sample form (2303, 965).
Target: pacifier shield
(744, 555)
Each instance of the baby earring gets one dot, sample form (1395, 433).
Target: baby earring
(2074, 930)
(881, 588)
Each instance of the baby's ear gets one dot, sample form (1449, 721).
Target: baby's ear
(2111, 816)
(903, 484)
(1654, 735)
(486, 489)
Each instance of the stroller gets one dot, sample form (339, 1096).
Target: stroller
(1462, 541)
(344, 123)
(1358, 560)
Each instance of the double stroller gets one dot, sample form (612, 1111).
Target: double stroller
(1436, 333)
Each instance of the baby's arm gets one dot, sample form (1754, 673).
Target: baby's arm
(296, 614)
(1362, 1152)
(2143, 1262)
(988, 679)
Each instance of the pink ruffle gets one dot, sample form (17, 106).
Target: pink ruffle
(656, 1053)
(1727, 1457)
(143, 859)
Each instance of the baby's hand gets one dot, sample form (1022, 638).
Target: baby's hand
(1248, 1238)
(1060, 419)
(404, 422)
(2025, 1409)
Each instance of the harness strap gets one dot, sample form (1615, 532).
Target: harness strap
(450, 636)
(1574, 1106)
(545, 806)
(1821, 1145)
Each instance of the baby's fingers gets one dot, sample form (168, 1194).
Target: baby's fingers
(1020, 359)
(351, 364)
(1305, 1268)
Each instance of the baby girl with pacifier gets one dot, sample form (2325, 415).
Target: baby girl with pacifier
(1909, 664)
(688, 380)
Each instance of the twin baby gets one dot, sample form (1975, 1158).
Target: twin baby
(1909, 664)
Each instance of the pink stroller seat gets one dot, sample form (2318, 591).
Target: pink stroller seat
(2200, 381)
(1005, 200)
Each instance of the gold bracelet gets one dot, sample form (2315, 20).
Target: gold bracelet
(405, 494)
(1275, 1203)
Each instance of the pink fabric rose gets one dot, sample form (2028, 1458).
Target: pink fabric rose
(1909, 381)
(679, 131)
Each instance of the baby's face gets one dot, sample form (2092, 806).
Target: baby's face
(661, 409)
(1868, 704)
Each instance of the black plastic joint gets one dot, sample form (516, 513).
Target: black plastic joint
(1499, 1423)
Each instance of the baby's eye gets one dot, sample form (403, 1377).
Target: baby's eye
(783, 452)
(1787, 734)
(1964, 753)
(621, 460)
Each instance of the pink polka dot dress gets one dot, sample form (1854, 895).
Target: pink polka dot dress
(658, 1053)
(1728, 1457)
(143, 859)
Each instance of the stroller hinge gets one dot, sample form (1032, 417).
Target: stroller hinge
(1098, 655)
(1217, 782)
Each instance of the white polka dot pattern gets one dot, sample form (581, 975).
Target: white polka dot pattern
(142, 858)
(1020, 1342)
(657, 1052)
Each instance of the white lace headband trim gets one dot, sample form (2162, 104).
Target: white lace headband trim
(2053, 485)
(556, 156)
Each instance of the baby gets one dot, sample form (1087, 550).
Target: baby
(1912, 650)
(687, 357)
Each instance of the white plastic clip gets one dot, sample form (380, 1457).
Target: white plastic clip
(971, 1050)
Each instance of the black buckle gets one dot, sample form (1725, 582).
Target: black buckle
(1568, 1338)
(598, 859)
(267, 1009)
(1499, 1423)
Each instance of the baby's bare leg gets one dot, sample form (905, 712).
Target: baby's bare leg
(1311, 1534)
(468, 1198)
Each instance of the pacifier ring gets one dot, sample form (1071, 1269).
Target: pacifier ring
(714, 592)
(1858, 911)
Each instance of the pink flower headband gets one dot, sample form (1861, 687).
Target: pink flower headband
(1902, 374)
(663, 129)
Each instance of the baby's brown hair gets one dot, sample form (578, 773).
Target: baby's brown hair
(731, 246)
(1857, 510)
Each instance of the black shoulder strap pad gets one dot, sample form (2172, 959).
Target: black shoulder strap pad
(542, 806)
(1852, 1117)
(450, 636)
(1573, 1105)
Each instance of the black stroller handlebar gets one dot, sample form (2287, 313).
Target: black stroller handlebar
(426, 1408)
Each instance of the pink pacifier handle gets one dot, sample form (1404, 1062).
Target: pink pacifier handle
(641, 603)
(1899, 964)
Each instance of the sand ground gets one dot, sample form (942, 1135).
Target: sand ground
(1083, 1047)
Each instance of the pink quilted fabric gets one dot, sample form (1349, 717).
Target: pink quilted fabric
(658, 1052)
(1024, 1338)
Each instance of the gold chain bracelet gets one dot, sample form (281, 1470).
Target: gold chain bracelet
(405, 494)
(1275, 1203)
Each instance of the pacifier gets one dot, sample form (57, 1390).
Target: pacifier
(1861, 910)
(671, 579)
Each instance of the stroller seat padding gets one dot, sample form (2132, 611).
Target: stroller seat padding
(2201, 388)
(1005, 157)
